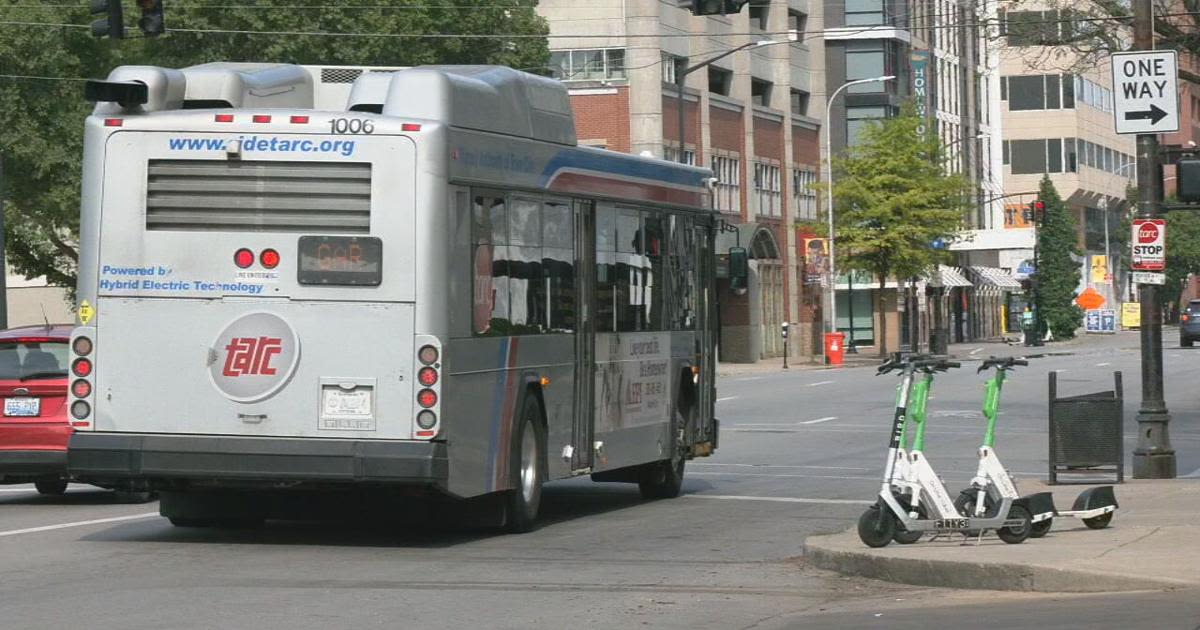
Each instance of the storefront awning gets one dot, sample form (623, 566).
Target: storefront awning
(948, 277)
(994, 277)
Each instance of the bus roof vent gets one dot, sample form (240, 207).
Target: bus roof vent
(485, 98)
(251, 85)
(369, 92)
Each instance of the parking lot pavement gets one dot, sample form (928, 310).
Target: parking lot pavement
(1150, 544)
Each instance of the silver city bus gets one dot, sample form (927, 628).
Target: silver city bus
(335, 279)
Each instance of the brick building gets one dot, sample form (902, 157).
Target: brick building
(747, 116)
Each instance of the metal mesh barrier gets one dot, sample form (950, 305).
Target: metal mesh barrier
(1085, 433)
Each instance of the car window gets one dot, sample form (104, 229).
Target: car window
(1194, 306)
(40, 359)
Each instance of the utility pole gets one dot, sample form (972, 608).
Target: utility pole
(3, 254)
(1153, 458)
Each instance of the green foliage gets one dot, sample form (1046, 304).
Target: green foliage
(1058, 273)
(893, 199)
(41, 121)
(1183, 248)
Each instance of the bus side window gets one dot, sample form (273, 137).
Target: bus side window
(606, 268)
(558, 265)
(490, 267)
(681, 262)
(527, 300)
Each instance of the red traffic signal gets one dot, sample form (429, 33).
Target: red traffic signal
(152, 24)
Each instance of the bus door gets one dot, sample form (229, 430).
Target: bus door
(585, 335)
(706, 338)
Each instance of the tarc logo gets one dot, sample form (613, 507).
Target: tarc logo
(253, 357)
(1147, 233)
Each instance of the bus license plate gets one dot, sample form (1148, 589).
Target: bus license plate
(22, 407)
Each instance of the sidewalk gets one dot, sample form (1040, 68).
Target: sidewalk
(976, 350)
(1150, 544)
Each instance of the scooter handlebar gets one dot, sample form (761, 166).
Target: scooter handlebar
(1006, 363)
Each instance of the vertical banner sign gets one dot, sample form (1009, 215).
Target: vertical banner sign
(1099, 269)
(920, 87)
(815, 258)
(1149, 243)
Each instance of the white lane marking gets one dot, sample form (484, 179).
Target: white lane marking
(730, 497)
(18, 489)
(98, 521)
(976, 351)
(748, 378)
(1103, 364)
(726, 398)
(1195, 474)
(780, 466)
(820, 383)
(820, 420)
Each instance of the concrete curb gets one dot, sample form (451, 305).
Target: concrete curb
(824, 553)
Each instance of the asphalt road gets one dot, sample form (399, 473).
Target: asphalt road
(801, 452)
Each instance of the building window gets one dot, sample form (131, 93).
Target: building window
(865, 12)
(671, 154)
(1093, 94)
(1071, 164)
(803, 193)
(799, 103)
(758, 14)
(1035, 28)
(767, 190)
(797, 22)
(760, 92)
(1040, 91)
(720, 80)
(866, 60)
(857, 118)
(602, 64)
(728, 191)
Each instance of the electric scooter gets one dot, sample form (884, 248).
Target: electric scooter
(1095, 506)
(878, 525)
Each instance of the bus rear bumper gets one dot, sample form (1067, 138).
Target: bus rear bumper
(162, 460)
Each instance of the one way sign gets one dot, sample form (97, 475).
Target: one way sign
(1146, 86)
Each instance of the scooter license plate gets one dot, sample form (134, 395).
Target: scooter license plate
(952, 523)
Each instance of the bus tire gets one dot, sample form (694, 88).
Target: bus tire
(51, 487)
(662, 479)
(526, 469)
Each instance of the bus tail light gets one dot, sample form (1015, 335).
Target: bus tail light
(83, 386)
(299, 120)
(223, 118)
(428, 387)
(261, 118)
(269, 258)
(113, 122)
(81, 367)
(243, 258)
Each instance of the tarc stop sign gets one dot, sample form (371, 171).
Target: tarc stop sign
(1149, 244)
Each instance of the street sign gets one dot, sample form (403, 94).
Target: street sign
(1100, 321)
(1146, 91)
(1131, 315)
(1149, 277)
(1089, 299)
(1149, 242)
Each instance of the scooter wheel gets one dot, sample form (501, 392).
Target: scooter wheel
(903, 536)
(1040, 528)
(1098, 522)
(876, 526)
(1017, 533)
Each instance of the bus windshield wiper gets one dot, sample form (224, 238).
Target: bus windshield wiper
(44, 374)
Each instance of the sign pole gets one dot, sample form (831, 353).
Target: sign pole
(1153, 458)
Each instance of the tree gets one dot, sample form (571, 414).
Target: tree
(893, 200)
(41, 120)
(1057, 276)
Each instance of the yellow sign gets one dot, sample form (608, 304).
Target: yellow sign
(86, 312)
(1099, 269)
(1131, 315)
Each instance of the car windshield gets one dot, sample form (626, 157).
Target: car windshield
(30, 359)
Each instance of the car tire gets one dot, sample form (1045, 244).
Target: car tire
(51, 487)
(1185, 342)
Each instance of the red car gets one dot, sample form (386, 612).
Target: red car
(34, 427)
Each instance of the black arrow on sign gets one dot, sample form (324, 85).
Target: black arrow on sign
(1154, 114)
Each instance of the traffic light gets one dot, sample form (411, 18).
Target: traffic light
(152, 24)
(1187, 170)
(113, 23)
(714, 7)
(1035, 211)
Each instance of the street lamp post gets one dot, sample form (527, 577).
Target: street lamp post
(792, 36)
(832, 323)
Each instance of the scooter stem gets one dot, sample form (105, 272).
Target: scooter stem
(991, 406)
(916, 409)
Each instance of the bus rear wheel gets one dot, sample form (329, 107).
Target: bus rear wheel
(662, 480)
(525, 469)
